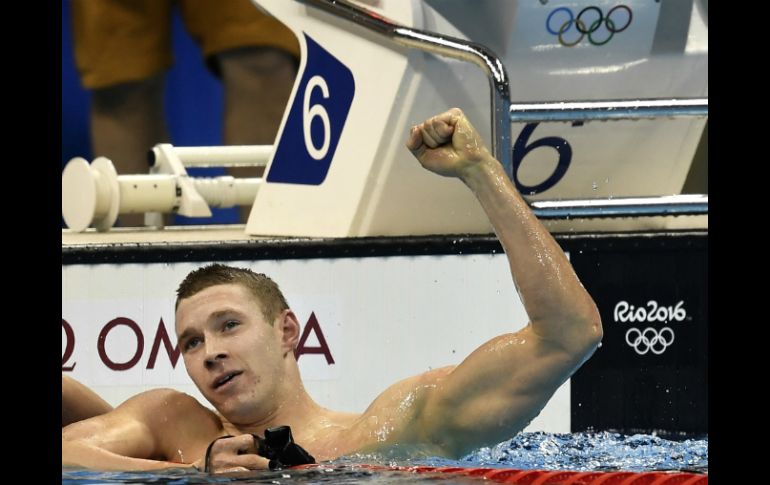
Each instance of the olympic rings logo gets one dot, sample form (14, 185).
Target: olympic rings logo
(594, 17)
(649, 339)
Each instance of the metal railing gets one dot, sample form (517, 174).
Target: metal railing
(609, 110)
(668, 205)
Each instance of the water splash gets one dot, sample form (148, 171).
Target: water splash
(594, 452)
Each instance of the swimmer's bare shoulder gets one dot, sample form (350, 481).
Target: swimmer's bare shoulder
(161, 424)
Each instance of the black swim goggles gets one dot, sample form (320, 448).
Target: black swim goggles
(278, 446)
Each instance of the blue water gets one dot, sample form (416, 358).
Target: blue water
(541, 451)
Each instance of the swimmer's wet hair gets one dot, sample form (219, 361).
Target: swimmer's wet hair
(266, 291)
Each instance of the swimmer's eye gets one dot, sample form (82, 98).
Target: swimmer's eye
(192, 343)
(230, 324)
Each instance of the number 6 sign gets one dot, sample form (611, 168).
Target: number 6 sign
(316, 119)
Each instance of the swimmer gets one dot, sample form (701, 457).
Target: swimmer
(237, 335)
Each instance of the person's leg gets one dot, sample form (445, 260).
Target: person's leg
(256, 57)
(122, 50)
(257, 84)
(126, 121)
(78, 402)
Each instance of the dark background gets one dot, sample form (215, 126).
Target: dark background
(619, 390)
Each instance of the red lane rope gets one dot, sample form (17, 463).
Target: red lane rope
(545, 477)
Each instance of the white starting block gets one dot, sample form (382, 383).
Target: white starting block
(339, 166)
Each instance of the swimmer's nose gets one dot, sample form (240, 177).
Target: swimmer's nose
(214, 358)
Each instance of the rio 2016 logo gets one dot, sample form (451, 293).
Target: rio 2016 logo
(649, 339)
(588, 22)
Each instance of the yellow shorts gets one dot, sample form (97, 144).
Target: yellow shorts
(119, 41)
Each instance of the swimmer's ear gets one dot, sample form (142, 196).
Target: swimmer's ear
(288, 325)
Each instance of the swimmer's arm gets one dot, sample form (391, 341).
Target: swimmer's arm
(131, 437)
(78, 402)
(80, 454)
(502, 385)
(115, 441)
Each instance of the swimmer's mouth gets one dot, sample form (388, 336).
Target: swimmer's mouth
(226, 378)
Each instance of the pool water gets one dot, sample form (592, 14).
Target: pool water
(594, 452)
(530, 451)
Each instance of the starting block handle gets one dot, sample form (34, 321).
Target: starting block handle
(217, 156)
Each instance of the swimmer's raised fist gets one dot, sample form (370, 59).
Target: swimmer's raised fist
(448, 144)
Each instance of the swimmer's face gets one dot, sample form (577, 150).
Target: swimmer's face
(234, 356)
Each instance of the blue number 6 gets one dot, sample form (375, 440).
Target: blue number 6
(520, 150)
